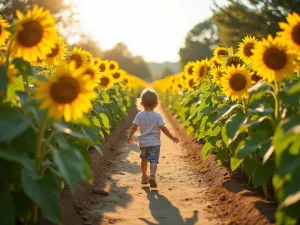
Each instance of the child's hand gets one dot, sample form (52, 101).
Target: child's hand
(129, 140)
(175, 139)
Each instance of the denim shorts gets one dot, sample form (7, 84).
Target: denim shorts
(151, 153)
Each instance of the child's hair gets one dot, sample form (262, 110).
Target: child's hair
(148, 99)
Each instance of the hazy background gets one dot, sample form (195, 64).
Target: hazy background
(156, 38)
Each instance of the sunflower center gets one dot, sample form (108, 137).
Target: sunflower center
(191, 83)
(77, 59)
(190, 70)
(102, 67)
(179, 85)
(248, 49)
(104, 81)
(116, 75)
(296, 34)
(275, 59)
(112, 67)
(54, 51)
(65, 90)
(31, 34)
(201, 71)
(234, 61)
(238, 82)
(90, 72)
(222, 52)
(255, 77)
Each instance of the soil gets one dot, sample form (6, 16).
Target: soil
(190, 192)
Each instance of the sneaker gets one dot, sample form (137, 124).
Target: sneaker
(152, 181)
(145, 180)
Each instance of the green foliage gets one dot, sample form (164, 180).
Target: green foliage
(259, 136)
(38, 156)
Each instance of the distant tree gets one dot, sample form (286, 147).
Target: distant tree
(199, 42)
(88, 43)
(255, 17)
(135, 65)
(64, 13)
(166, 72)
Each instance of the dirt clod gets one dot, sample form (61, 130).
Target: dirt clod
(99, 191)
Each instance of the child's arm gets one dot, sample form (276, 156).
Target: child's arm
(132, 132)
(168, 134)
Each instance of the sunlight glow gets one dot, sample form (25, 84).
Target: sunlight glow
(154, 29)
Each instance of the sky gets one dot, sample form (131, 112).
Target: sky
(154, 29)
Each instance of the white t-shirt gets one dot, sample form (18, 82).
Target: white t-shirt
(149, 123)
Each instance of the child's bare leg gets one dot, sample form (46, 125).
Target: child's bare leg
(153, 168)
(144, 164)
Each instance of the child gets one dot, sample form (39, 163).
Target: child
(150, 123)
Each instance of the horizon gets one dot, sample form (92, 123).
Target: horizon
(172, 25)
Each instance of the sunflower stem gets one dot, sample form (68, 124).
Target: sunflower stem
(38, 156)
(215, 92)
(277, 102)
(264, 185)
(6, 66)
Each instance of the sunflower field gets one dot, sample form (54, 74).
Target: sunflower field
(245, 105)
(55, 106)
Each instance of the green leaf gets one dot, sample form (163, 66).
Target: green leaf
(230, 130)
(206, 150)
(262, 110)
(221, 154)
(104, 120)
(45, 192)
(290, 200)
(7, 211)
(223, 114)
(23, 204)
(282, 218)
(105, 96)
(69, 164)
(12, 155)
(96, 122)
(263, 173)
(12, 122)
(251, 144)
(190, 130)
(91, 134)
(3, 79)
(23, 66)
(235, 163)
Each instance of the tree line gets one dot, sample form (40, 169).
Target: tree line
(232, 22)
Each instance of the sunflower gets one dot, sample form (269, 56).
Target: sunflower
(106, 82)
(67, 94)
(291, 32)
(4, 34)
(246, 47)
(236, 81)
(221, 51)
(96, 61)
(35, 34)
(103, 66)
(271, 59)
(200, 69)
(80, 57)
(94, 73)
(113, 66)
(214, 62)
(118, 75)
(58, 53)
(234, 60)
(217, 73)
(190, 83)
(188, 69)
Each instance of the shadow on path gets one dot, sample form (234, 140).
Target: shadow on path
(164, 212)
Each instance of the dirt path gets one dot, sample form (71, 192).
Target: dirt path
(178, 200)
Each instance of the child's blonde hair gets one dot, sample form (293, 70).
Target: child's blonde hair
(148, 99)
